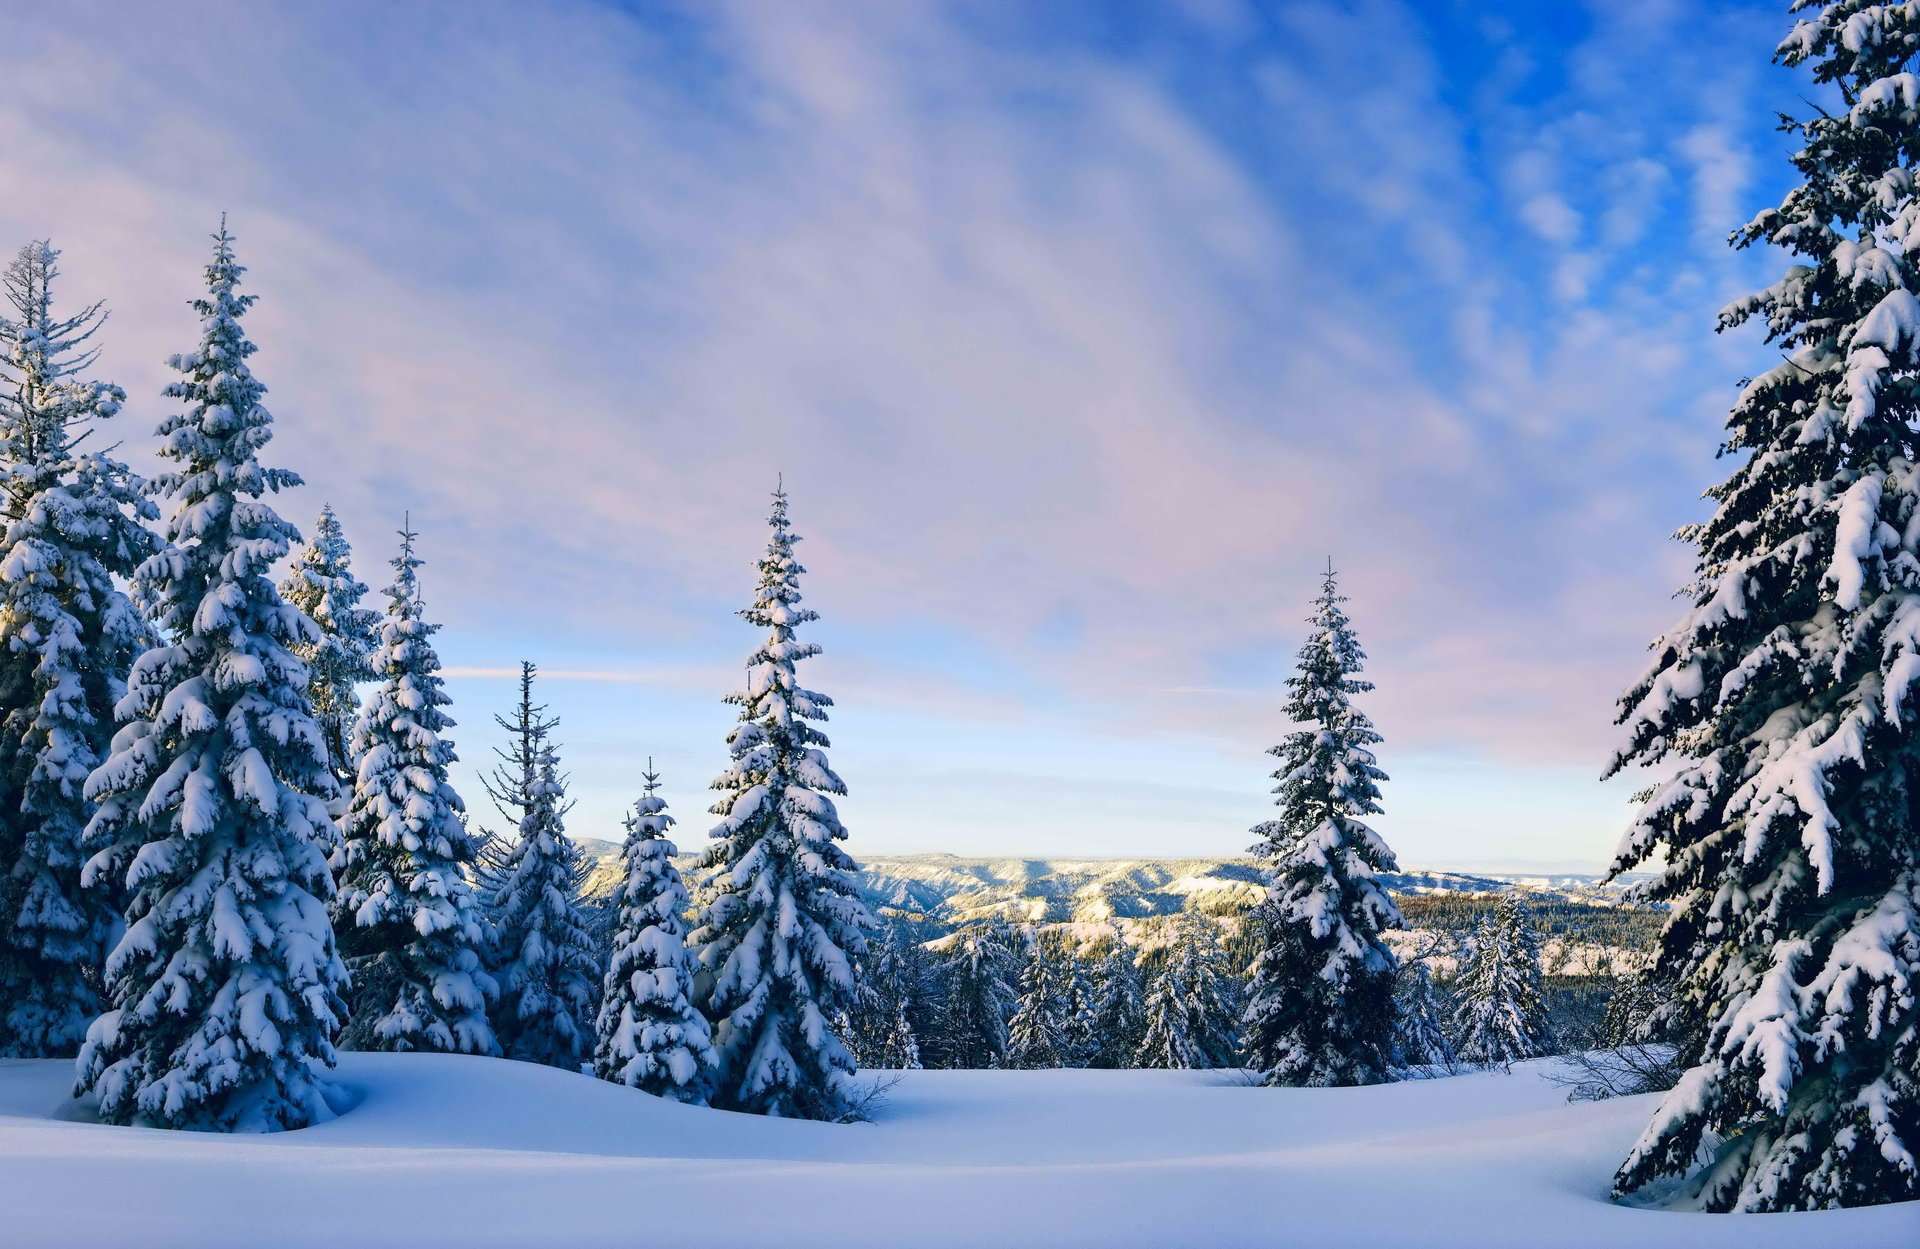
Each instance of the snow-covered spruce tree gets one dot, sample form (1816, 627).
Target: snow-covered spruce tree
(1191, 1003)
(1789, 838)
(224, 991)
(321, 584)
(880, 1031)
(1119, 1007)
(650, 1034)
(1037, 1033)
(981, 970)
(1320, 1010)
(548, 964)
(783, 921)
(1079, 1044)
(72, 524)
(1419, 1037)
(1499, 1015)
(410, 927)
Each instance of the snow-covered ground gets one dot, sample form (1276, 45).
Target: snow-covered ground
(481, 1152)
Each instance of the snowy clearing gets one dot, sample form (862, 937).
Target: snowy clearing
(479, 1152)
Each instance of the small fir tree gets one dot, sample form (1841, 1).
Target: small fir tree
(548, 961)
(1079, 1043)
(513, 786)
(1191, 1005)
(72, 526)
(880, 1030)
(321, 584)
(411, 929)
(1419, 1035)
(1320, 1011)
(1499, 1013)
(224, 992)
(1036, 1035)
(923, 992)
(783, 921)
(650, 1035)
(981, 969)
(1118, 1008)
(1782, 705)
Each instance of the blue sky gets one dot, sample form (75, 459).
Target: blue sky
(1083, 333)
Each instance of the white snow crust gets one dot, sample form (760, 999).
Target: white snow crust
(437, 1149)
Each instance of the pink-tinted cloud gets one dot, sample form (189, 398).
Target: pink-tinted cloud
(1061, 370)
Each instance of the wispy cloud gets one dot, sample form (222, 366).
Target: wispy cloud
(666, 677)
(1081, 343)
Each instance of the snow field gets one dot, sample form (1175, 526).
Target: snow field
(448, 1150)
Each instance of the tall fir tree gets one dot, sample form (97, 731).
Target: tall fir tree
(321, 584)
(410, 927)
(650, 1035)
(224, 991)
(1787, 842)
(548, 967)
(1191, 1003)
(1500, 1014)
(1320, 1010)
(783, 920)
(981, 968)
(72, 526)
(1037, 1033)
(1119, 1007)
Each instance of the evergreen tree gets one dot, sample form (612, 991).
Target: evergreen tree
(1788, 842)
(548, 963)
(923, 981)
(981, 969)
(1499, 1013)
(1036, 1035)
(411, 929)
(224, 991)
(513, 786)
(1191, 1005)
(67, 636)
(880, 1031)
(1320, 1011)
(783, 923)
(1118, 1007)
(1079, 1043)
(1419, 1037)
(650, 1035)
(321, 584)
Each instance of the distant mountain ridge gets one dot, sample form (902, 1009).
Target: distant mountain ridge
(951, 889)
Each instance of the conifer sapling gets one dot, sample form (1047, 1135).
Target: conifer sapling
(650, 1034)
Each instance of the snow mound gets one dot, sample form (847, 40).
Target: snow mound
(447, 1150)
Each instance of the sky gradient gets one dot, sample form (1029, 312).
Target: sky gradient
(1083, 333)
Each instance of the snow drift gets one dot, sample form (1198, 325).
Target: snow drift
(444, 1150)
